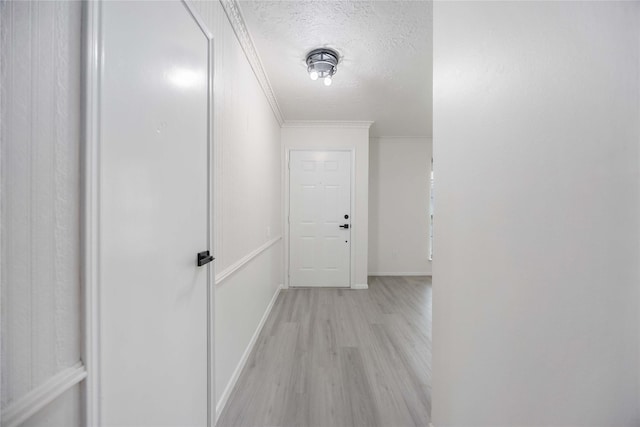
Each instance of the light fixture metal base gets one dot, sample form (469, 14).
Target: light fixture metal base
(322, 63)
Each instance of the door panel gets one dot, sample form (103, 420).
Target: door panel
(320, 197)
(154, 215)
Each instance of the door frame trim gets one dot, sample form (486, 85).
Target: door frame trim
(90, 212)
(287, 204)
(90, 228)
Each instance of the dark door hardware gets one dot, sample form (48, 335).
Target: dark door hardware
(204, 258)
(344, 226)
(346, 217)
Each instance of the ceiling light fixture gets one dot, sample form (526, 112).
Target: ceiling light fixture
(322, 63)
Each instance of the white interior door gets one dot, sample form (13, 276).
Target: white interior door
(154, 102)
(319, 218)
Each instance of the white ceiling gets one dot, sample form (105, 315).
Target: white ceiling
(385, 71)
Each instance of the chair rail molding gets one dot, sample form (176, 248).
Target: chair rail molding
(234, 13)
(22, 409)
(224, 274)
(358, 124)
(401, 273)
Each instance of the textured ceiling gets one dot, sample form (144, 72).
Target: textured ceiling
(385, 70)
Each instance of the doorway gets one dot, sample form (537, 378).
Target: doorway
(320, 218)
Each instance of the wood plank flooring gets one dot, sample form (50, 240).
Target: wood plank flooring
(340, 358)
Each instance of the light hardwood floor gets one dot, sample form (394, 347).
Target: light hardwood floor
(338, 358)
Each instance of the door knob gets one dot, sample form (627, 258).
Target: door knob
(204, 258)
(344, 226)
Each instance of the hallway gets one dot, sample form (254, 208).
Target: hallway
(179, 180)
(340, 358)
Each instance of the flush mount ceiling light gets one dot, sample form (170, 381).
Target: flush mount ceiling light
(322, 63)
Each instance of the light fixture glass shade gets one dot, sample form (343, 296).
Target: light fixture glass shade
(322, 64)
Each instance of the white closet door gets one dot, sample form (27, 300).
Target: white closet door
(154, 215)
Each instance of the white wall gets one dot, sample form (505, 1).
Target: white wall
(337, 135)
(247, 199)
(537, 128)
(399, 176)
(40, 54)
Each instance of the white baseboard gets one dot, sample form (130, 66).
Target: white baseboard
(245, 356)
(360, 286)
(424, 273)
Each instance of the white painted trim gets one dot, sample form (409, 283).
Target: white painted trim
(285, 217)
(360, 286)
(91, 212)
(196, 16)
(401, 137)
(23, 408)
(401, 274)
(224, 274)
(363, 124)
(354, 213)
(245, 356)
(234, 14)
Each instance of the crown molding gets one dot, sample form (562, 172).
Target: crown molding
(327, 124)
(232, 9)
